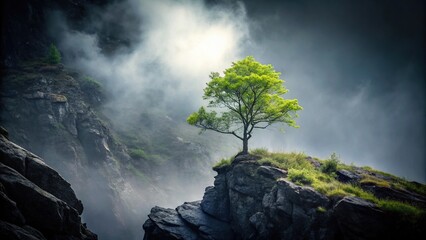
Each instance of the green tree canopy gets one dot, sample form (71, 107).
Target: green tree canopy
(251, 96)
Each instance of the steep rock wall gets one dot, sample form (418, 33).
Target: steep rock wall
(36, 202)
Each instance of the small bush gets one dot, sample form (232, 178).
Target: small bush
(137, 153)
(301, 176)
(53, 56)
(330, 166)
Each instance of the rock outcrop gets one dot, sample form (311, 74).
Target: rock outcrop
(254, 201)
(36, 202)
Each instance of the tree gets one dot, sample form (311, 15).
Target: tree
(53, 56)
(251, 95)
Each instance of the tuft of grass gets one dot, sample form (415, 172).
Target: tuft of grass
(321, 209)
(301, 176)
(223, 162)
(411, 186)
(368, 179)
(262, 152)
(137, 153)
(403, 209)
(287, 160)
(396, 182)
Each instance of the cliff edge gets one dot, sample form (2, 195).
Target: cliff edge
(36, 202)
(252, 198)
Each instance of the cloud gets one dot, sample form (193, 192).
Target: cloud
(181, 42)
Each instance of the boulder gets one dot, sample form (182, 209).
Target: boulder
(165, 223)
(35, 201)
(35, 170)
(271, 172)
(207, 226)
(347, 176)
(359, 219)
(396, 194)
(315, 163)
(40, 209)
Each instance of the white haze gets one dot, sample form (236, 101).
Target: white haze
(164, 71)
(176, 44)
(181, 42)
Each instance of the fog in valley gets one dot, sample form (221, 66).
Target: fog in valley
(357, 69)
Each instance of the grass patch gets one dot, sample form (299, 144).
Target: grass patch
(402, 209)
(301, 176)
(300, 171)
(286, 160)
(411, 186)
(222, 163)
(321, 209)
(371, 180)
(259, 152)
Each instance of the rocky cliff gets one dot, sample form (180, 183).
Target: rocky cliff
(251, 199)
(59, 114)
(36, 202)
(56, 113)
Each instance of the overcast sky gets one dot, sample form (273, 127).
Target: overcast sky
(357, 68)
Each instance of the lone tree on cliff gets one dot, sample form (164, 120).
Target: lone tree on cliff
(251, 95)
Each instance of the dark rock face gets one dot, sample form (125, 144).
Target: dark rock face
(188, 221)
(251, 201)
(396, 194)
(347, 176)
(36, 202)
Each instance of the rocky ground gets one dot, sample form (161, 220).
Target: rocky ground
(254, 201)
(36, 202)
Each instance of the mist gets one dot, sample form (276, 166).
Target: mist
(357, 69)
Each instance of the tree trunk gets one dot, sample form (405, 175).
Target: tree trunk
(245, 141)
(245, 146)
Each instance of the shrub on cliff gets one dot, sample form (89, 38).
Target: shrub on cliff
(53, 55)
(330, 165)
